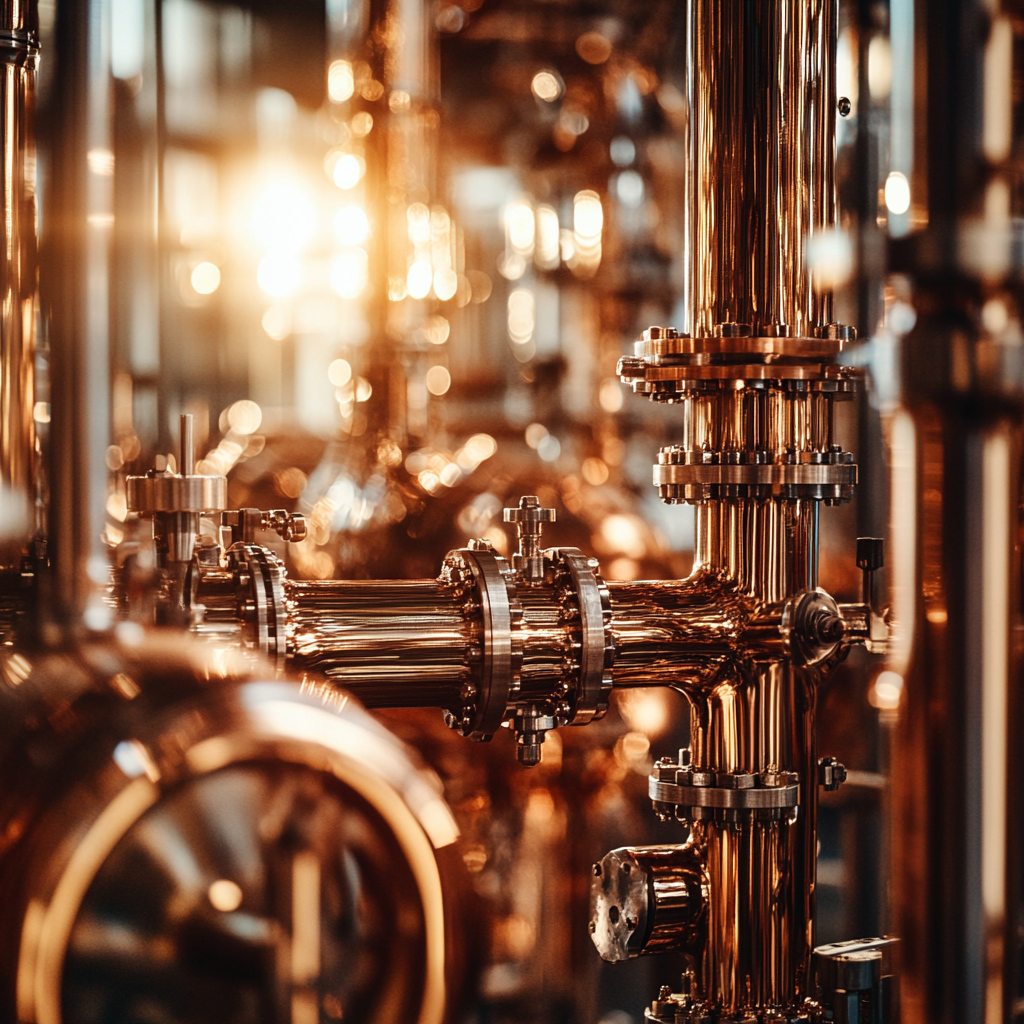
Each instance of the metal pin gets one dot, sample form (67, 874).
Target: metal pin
(186, 462)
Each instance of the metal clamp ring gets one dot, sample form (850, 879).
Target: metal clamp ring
(595, 647)
(268, 596)
(760, 798)
(497, 668)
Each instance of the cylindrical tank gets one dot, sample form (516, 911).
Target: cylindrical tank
(186, 842)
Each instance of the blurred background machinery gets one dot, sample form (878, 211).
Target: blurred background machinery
(373, 266)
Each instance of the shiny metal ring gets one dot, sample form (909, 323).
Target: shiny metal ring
(759, 798)
(596, 642)
(644, 377)
(267, 578)
(177, 493)
(805, 348)
(496, 670)
(807, 474)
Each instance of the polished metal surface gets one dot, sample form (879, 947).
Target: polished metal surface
(705, 480)
(76, 249)
(760, 86)
(481, 642)
(596, 644)
(529, 518)
(958, 802)
(953, 764)
(419, 643)
(19, 51)
(744, 794)
(665, 346)
(500, 657)
(393, 643)
(758, 454)
(215, 846)
(265, 575)
(647, 900)
(747, 637)
(170, 492)
(856, 980)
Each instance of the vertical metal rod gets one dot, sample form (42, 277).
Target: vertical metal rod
(188, 446)
(76, 287)
(19, 51)
(812, 546)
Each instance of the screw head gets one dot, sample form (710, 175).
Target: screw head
(845, 106)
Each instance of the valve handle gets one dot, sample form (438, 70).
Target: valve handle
(529, 517)
(244, 522)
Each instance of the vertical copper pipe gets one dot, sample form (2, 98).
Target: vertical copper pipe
(761, 88)
(19, 51)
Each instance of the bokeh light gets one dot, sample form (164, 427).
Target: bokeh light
(886, 690)
(546, 86)
(277, 322)
(438, 380)
(593, 47)
(897, 193)
(349, 273)
(279, 275)
(522, 318)
(351, 225)
(339, 373)
(205, 278)
(225, 895)
(437, 330)
(348, 171)
(284, 217)
(341, 82)
(420, 279)
(245, 417)
(446, 283)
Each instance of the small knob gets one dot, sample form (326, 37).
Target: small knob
(660, 333)
(870, 553)
(244, 523)
(529, 517)
(290, 526)
(530, 727)
(826, 629)
(831, 774)
(870, 559)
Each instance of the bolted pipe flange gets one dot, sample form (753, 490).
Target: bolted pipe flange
(489, 583)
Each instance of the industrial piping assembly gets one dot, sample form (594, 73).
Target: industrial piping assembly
(539, 642)
(747, 637)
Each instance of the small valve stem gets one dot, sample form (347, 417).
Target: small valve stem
(187, 461)
(870, 558)
(529, 518)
